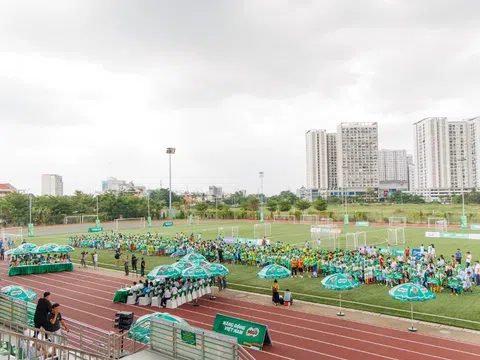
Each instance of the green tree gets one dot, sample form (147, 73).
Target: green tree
(320, 205)
(284, 205)
(272, 205)
(253, 203)
(302, 205)
(201, 208)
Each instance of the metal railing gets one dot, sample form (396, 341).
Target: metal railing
(186, 342)
(23, 346)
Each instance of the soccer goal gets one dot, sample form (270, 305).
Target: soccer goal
(325, 221)
(129, 223)
(67, 220)
(355, 240)
(432, 221)
(220, 232)
(235, 232)
(309, 219)
(397, 221)
(262, 230)
(396, 236)
(441, 226)
(325, 239)
(284, 218)
(13, 233)
(89, 219)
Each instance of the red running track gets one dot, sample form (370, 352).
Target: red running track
(87, 298)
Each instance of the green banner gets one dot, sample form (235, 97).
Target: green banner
(30, 230)
(362, 223)
(392, 251)
(455, 236)
(474, 227)
(345, 219)
(95, 229)
(463, 223)
(149, 221)
(248, 333)
(97, 224)
(167, 224)
(188, 337)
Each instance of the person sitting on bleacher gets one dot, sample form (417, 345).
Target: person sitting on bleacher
(287, 297)
(167, 295)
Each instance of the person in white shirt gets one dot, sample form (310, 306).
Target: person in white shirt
(167, 295)
(477, 273)
(287, 297)
(422, 249)
(468, 260)
(95, 260)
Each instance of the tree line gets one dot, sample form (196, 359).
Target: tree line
(50, 210)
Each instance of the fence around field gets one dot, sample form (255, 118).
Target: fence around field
(187, 342)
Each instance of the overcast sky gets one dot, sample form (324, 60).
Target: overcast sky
(91, 89)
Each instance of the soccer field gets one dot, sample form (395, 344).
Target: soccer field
(445, 309)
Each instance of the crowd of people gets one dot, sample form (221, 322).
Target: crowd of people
(369, 265)
(38, 259)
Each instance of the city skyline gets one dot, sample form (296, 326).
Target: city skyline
(232, 85)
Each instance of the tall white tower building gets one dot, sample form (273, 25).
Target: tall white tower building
(52, 184)
(317, 169)
(392, 165)
(357, 156)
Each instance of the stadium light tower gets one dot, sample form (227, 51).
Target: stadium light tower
(170, 152)
(261, 174)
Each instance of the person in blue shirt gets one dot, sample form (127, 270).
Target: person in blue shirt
(458, 256)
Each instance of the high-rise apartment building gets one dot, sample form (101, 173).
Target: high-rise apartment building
(446, 156)
(316, 150)
(52, 185)
(332, 161)
(357, 157)
(392, 165)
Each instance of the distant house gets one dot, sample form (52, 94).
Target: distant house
(6, 189)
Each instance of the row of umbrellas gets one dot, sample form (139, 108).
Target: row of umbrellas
(28, 248)
(408, 292)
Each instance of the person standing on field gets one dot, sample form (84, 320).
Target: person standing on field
(95, 260)
(125, 262)
(142, 268)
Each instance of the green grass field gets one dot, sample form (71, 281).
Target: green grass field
(368, 297)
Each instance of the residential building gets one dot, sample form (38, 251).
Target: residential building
(6, 189)
(115, 185)
(411, 177)
(332, 160)
(357, 157)
(302, 193)
(214, 192)
(52, 185)
(446, 157)
(392, 165)
(316, 150)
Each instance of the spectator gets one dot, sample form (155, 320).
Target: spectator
(142, 268)
(44, 307)
(467, 283)
(275, 295)
(117, 258)
(167, 295)
(125, 262)
(56, 322)
(2, 253)
(287, 297)
(477, 273)
(82, 259)
(95, 260)
(468, 259)
(134, 264)
(220, 255)
(458, 256)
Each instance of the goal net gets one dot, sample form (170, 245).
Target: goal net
(129, 223)
(14, 234)
(441, 226)
(397, 221)
(325, 221)
(220, 232)
(262, 230)
(284, 218)
(309, 219)
(235, 231)
(355, 240)
(433, 220)
(89, 219)
(325, 240)
(396, 236)
(72, 220)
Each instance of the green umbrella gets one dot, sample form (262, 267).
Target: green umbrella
(270, 272)
(164, 271)
(27, 247)
(19, 293)
(182, 265)
(45, 249)
(412, 293)
(193, 257)
(216, 270)
(16, 251)
(340, 282)
(140, 330)
(64, 249)
(196, 272)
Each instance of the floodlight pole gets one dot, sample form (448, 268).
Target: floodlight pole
(97, 205)
(463, 185)
(148, 203)
(261, 174)
(170, 151)
(30, 206)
